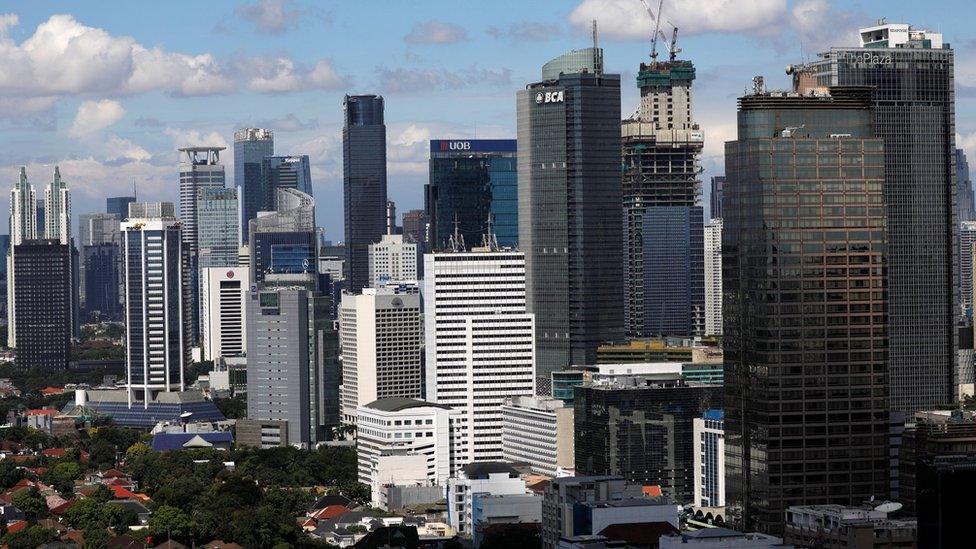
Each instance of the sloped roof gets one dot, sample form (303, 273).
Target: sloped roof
(177, 441)
(396, 404)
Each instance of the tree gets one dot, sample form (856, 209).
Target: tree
(10, 474)
(31, 502)
(232, 408)
(96, 537)
(30, 537)
(63, 475)
(83, 514)
(170, 523)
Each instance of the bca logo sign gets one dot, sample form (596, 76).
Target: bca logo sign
(549, 97)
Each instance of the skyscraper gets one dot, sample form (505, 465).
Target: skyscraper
(663, 282)
(156, 346)
(967, 237)
(284, 172)
(223, 302)
(23, 226)
(217, 227)
(42, 303)
(100, 265)
(98, 228)
(41, 218)
(119, 205)
(806, 409)
(57, 198)
(415, 226)
(479, 347)
(391, 224)
(364, 183)
(911, 71)
(570, 225)
(392, 261)
(718, 184)
(964, 188)
(284, 242)
(713, 277)
(472, 182)
(251, 146)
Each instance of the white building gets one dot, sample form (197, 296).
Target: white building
(967, 236)
(483, 478)
(480, 346)
(390, 430)
(893, 35)
(223, 311)
(538, 431)
(392, 261)
(720, 538)
(709, 440)
(380, 338)
(713, 277)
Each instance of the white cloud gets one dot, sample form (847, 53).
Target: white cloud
(967, 142)
(93, 116)
(195, 138)
(418, 80)
(435, 32)
(283, 75)
(628, 20)
(270, 16)
(8, 20)
(120, 149)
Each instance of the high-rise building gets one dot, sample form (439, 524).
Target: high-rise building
(4, 252)
(964, 188)
(283, 242)
(119, 205)
(709, 466)
(967, 237)
(41, 218)
(911, 71)
(806, 408)
(942, 520)
(23, 226)
(479, 341)
(663, 280)
(391, 224)
(292, 362)
(99, 228)
(156, 346)
(284, 172)
(472, 182)
(415, 226)
(381, 336)
(223, 306)
(713, 277)
(570, 225)
(164, 210)
(539, 431)
(563, 496)
(100, 264)
(42, 303)
(392, 261)
(251, 147)
(642, 431)
(57, 197)
(217, 227)
(364, 183)
(715, 200)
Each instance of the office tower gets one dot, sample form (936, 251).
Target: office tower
(713, 277)
(152, 210)
(99, 228)
(942, 519)
(563, 496)
(363, 182)
(284, 172)
(292, 362)
(391, 226)
(57, 218)
(218, 227)
(472, 182)
(398, 427)
(4, 252)
(156, 348)
(931, 435)
(283, 242)
(251, 146)
(570, 225)
(718, 182)
(100, 264)
(23, 226)
(967, 237)
(663, 281)
(479, 341)
(911, 71)
(41, 218)
(381, 337)
(244, 256)
(392, 261)
(223, 305)
(964, 188)
(642, 431)
(709, 466)
(415, 226)
(42, 303)
(539, 431)
(119, 205)
(805, 305)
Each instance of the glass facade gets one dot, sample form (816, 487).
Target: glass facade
(805, 340)
(42, 303)
(570, 225)
(285, 172)
(101, 267)
(218, 228)
(470, 182)
(364, 183)
(119, 205)
(251, 146)
(673, 270)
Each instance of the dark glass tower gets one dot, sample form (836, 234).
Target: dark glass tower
(251, 146)
(118, 205)
(803, 253)
(472, 181)
(364, 183)
(911, 72)
(673, 270)
(718, 182)
(284, 172)
(101, 265)
(570, 225)
(43, 303)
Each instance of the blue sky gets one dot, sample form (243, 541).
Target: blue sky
(108, 90)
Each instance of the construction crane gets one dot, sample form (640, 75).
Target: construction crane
(673, 49)
(657, 27)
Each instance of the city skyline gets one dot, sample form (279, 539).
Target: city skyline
(442, 74)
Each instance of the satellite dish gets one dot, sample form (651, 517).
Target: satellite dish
(888, 507)
(185, 415)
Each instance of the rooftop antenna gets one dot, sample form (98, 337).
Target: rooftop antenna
(595, 41)
(456, 240)
(489, 241)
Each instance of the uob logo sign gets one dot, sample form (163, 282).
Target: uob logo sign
(455, 145)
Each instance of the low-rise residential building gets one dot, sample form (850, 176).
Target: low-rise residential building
(840, 527)
(721, 538)
(538, 431)
(485, 478)
(488, 510)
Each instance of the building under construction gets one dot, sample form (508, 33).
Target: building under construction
(663, 216)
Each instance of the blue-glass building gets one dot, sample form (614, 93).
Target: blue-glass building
(285, 172)
(471, 181)
(251, 146)
(101, 262)
(674, 270)
(363, 183)
(119, 205)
